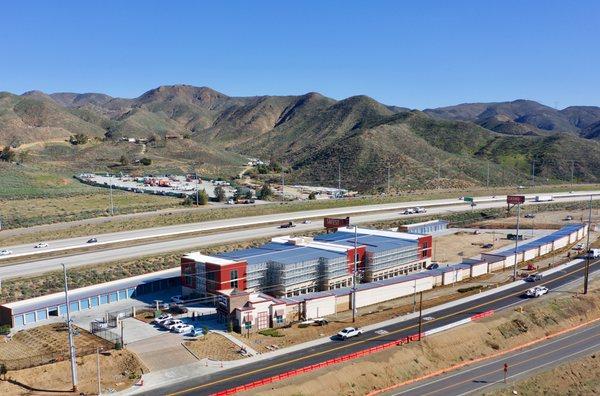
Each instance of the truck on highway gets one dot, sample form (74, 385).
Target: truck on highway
(544, 198)
(289, 224)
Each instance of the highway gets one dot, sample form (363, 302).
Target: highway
(229, 378)
(484, 376)
(138, 243)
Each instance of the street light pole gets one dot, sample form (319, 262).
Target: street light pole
(354, 276)
(98, 369)
(586, 273)
(517, 242)
(420, 314)
(72, 352)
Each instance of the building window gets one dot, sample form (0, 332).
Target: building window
(113, 297)
(42, 314)
(233, 276)
(104, 299)
(122, 294)
(85, 303)
(278, 319)
(53, 311)
(30, 317)
(95, 301)
(74, 306)
(62, 309)
(18, 320)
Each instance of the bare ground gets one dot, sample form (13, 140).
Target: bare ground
(454, 247)
(214, 347)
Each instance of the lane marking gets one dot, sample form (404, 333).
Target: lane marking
(261, 369)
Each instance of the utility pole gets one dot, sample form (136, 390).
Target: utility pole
(415, 296)
(98, 370)
(282, 185)
(354, 276)
(517, 242)
(339, 176)
(420, 314)
(112, 206)
(72, 352)
(586, 273)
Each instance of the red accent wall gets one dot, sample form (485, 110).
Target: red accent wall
(222, 276)
(361, 250)
(425, 247)
(188, 267)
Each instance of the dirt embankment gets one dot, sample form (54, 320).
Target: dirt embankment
(503, 331)
(579, 377)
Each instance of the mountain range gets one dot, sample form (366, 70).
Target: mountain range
(312, 135)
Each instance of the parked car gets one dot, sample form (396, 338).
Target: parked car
(178, 309)
(349, 332)
(177, 299)
(579, 246)
(169, 324)
(5, 252)
(488, 245)
(40, 245)
(593, 253)
(529, 216)
(433, 266)
(182, 328)
(536, 291)
(162, 318)
(196, 332)
(321, 321)
(92, 240)
(533, 277)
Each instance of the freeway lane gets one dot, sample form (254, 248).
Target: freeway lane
(149, 235)
(100, 254)
(480, 377)
(266, 368)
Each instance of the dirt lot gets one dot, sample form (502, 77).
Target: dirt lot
(453, 248)
(41, 344)
(214, 347)
(543, 219)
(503, 331)
(579, 377)
(119, 370)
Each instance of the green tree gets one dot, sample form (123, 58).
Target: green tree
(265, 192)
(146, 161)
(78, 138)
(248, 194)
(7, 154)
(202, 197)
(220, 194)
(312, 196)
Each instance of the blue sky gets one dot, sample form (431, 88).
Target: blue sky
(414, 54)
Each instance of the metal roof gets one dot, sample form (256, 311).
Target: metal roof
(425, 223)
(534, 244)
(56, 299)
(373, 243)
(282, 253)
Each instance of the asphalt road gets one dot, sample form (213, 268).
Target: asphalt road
(478, 378)
(144, 242)
(237, 376)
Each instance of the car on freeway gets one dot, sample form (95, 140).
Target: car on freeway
(433, 266)
(40, 245)
(169, 324)
(5, 252)
(92, 240)
(162, 318)
(349, 332)
(182, 328)
(178, 309)
(419, 209)
(533, 277)
(529, 216)
(408, 211)
(306, 222)
(177, 299)
(488, 245)
(536, 291)
(289, 224)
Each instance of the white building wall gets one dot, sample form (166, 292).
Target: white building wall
(319, 307)
(478, 269)
(545, 249)
(561, 243)
(530, 254)
(390, 292)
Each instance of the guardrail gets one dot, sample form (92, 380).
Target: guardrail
(350, 356)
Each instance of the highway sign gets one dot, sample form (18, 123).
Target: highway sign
(468, 199)
(515, 199)
(331, 222)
